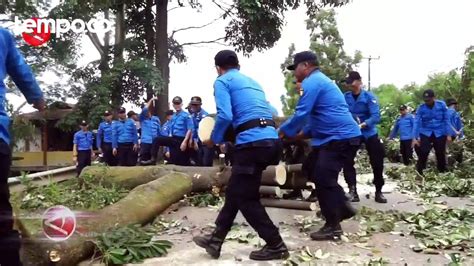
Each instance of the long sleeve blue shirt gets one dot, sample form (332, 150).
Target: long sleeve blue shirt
(151, 127)
(83, 140)
(403, 126)
(456, 122)
(180, 123)
(321, 112)
(240, 99)
(124, 131)
(104, 133)
(13, 64)
(197, 117)
(365, 109)
(165, 129)
(433, 120)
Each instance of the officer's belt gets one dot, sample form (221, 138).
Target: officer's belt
(261, 122)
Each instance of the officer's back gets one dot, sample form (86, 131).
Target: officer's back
(248, 103)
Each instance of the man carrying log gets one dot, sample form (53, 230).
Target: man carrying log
(241, 104)
(13, 64)
(323, 115)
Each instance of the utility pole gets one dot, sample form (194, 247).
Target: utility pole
(370, 58)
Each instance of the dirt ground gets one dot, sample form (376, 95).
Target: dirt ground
(393, 248)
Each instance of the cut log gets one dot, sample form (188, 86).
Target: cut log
(289, 204)
(294, 168)
(271, 191)
(204, 178)
(295, 181)
(274, 175)
(140, 206)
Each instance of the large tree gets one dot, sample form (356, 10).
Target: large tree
(328, 45)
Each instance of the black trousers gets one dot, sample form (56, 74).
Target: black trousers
(9, 238)
(126, 155)
(242, 192)
(439, 145)
(206, 155)
(326, 163)
(109, 157)
(145, 151)
(376, 153)
(407, 151)
(177, 157)
(83, 160)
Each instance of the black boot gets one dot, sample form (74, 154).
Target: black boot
(347, 211)
(212, 243)
(379, 197)
(327, 232)
(277, 251)
(312, 197)
(353, 194)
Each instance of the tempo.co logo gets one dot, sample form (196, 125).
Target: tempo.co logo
(37, 31)
(59, 223)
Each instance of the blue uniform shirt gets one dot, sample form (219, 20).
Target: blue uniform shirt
(321, 112)
(240, 99)
(197, 117)
(83, 140)
(404, 126)
(365, 109)
(273, 109)
(124, 131)
(165, 129)
(434, 120)
(104, 133)
(456, 122)
(13, 64)
(151, 127)
(180, 123)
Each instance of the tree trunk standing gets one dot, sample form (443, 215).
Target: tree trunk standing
(117, 98)
(162, 55)
(150, 44)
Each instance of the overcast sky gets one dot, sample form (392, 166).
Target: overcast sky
(413, 39)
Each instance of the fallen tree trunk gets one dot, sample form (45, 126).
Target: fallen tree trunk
(271, 191)
(297, 182)
(141, 206)
(294, 168)
(289, 204)
(204, 178)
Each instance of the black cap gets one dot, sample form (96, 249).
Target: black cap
(402, 107)
(306, 56)
(169, 112)
(353, 75)
(226, 58)
(196, 100)
(428, 94)
(122, 110)
(131, 113)
(177, 100)
(107, 113)
(451, 101)
(84, 123)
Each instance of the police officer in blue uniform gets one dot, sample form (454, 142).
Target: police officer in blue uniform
(104, 139)
(165, 131)
(432, 129)
(241, 104)
(323, 115)
(404, 126)
(150, 130)
(366, 112)
(455, 119)
(82, 148)
(125, 139)
(181, 131)
(457, 127)
(13, 64)
(205, 155)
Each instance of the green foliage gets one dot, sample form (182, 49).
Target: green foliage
(443, 229)
(306, 223)
(130, 244)
(205, 200)
(328, 45)
(79, 193)
(306, 256)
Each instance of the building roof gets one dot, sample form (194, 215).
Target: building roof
(55, 111)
